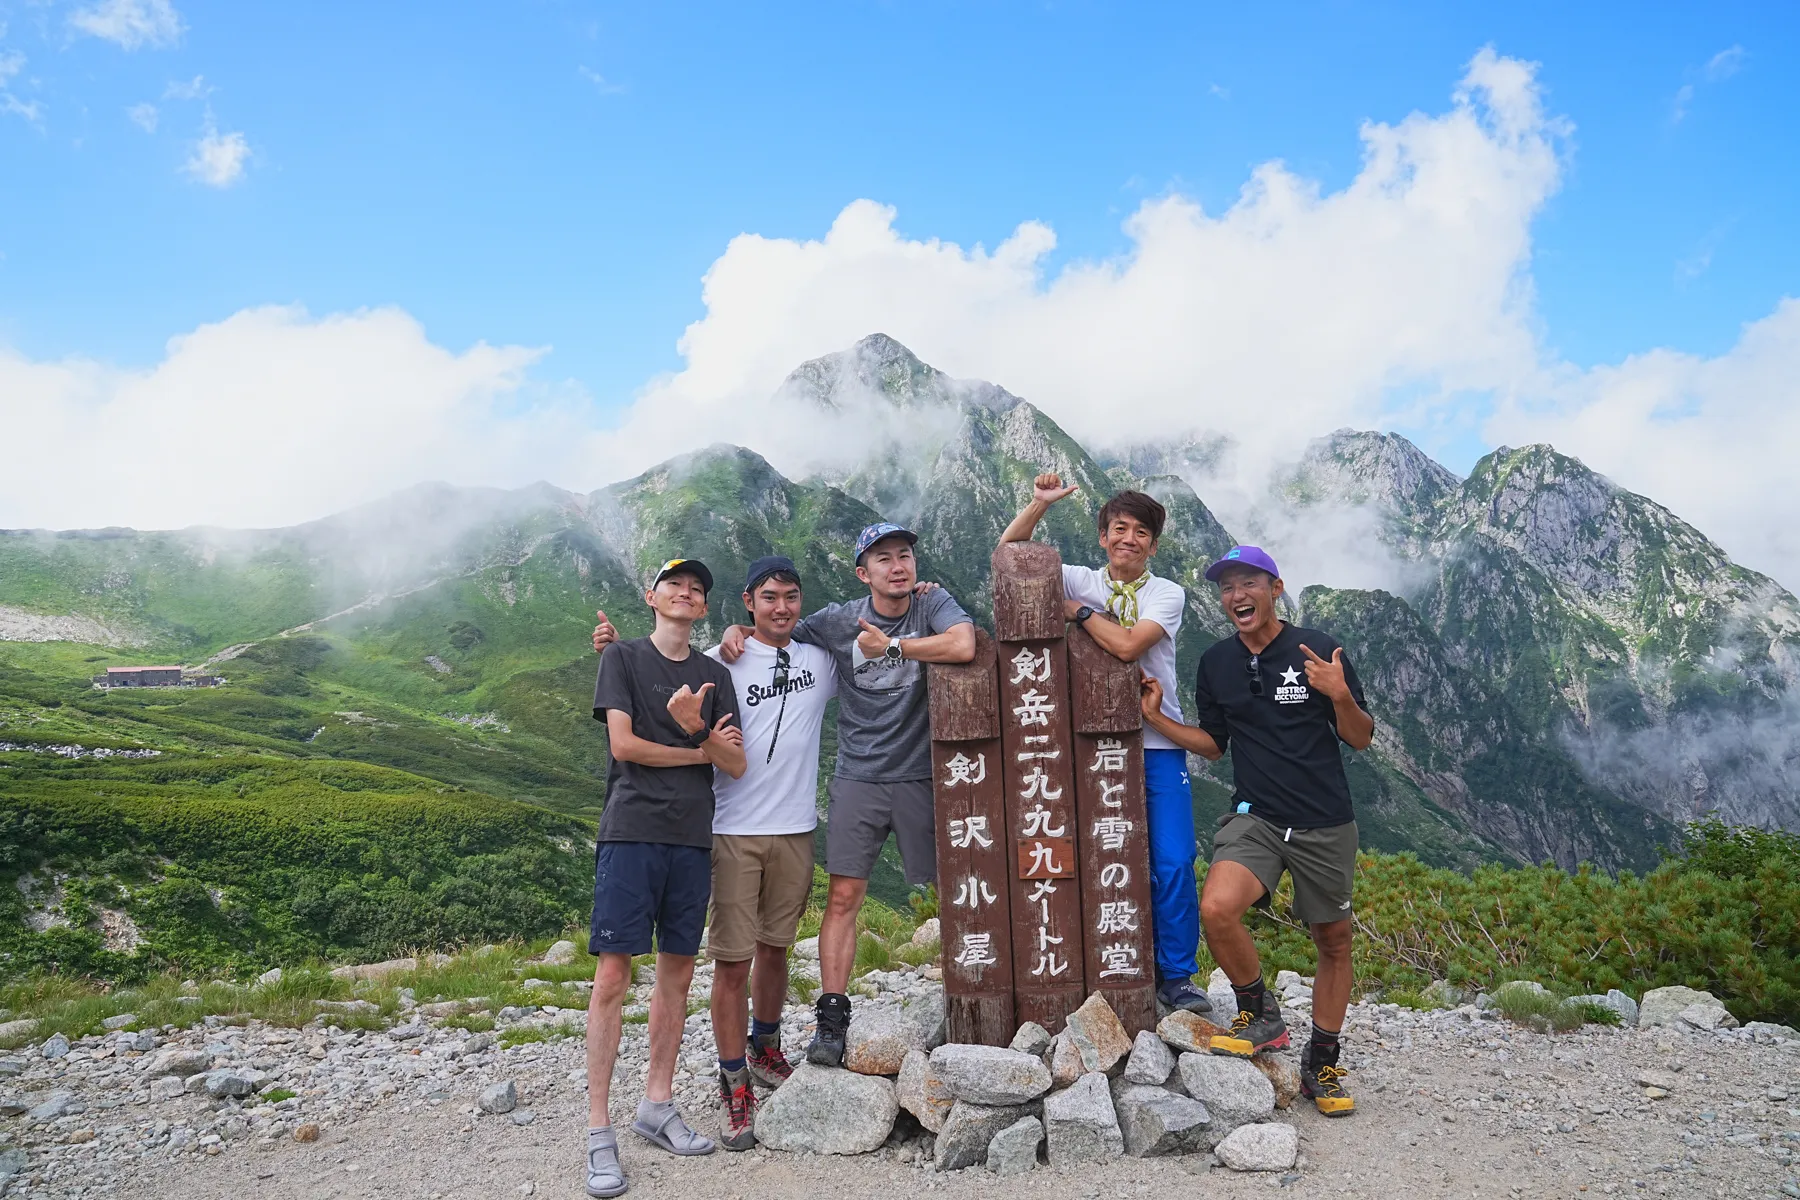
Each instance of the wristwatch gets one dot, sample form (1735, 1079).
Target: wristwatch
(1082, 614)
(892, 653)
(697, 740)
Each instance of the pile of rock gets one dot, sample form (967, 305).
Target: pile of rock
(1088, 1095)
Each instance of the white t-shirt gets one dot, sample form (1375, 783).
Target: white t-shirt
(779, 792)
(1160, 600)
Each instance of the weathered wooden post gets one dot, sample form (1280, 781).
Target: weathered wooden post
(1115, 838)
(1049, 958)
(974, 870)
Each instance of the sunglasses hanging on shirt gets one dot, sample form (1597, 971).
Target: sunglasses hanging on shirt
(780, 682)
(1256, 680)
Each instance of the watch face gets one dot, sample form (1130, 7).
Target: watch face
(892, 653)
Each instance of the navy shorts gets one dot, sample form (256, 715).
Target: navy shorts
(645, 891)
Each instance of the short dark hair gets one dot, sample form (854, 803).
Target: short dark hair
(1134, 504)
(778, 577)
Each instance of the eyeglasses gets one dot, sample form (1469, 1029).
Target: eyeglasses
(1255, 668)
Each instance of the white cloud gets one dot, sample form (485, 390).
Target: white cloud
(195, 89)
(130, 23)
(605, 86)
(144, 116)
(1725, 63)
(11, 63)
(1314, 306)
(218, 158)
(271, 417)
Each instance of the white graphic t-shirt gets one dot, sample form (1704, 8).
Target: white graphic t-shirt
(1160, 600)
(779, 790)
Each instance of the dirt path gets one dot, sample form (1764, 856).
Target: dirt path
(1447, 1107)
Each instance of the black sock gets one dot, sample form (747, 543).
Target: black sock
(1250, 996)
(1324, 1050)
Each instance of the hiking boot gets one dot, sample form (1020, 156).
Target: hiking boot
(833, 1014)
(1323, 1084)
(1183, 995)
(740, 1109)
(768, 1065)
(1252, 1033)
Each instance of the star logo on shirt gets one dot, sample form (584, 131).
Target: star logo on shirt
(1290, 676)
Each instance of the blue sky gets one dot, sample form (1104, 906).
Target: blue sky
(562, 173)
(465, 241)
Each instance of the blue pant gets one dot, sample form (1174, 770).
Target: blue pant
(1174, 900)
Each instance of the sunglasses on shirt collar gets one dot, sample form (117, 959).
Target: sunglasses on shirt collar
(1256, 679)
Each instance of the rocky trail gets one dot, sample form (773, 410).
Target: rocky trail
(1451, 1102)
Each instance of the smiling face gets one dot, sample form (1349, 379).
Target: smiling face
(1248, 596)
(889, 568)
(774, 608)
(678, 598)
(1129, 544)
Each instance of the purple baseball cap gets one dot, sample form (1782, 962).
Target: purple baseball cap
(1247, 556)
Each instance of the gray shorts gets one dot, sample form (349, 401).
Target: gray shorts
(860, 816)
(1322, 862)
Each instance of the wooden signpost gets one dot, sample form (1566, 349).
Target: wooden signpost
(1049, 963)
(1043, 852)
(973, 854)
(1115, 835)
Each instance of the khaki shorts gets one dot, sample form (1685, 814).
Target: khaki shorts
(1322, 862)
(760, 883)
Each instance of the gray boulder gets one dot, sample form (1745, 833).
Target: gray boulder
(269, 978)
(920, 1092)
(13, 1161)
(498, 1098)
(55, 1046)
(223, 1084)
(1156, 1121)
(1080, 1125)
(926, 1011)
(1097, 1034)
(175, 1061)
(1232, 1089)
(989, 1075)
(1031, 1038)
(827, 1110)
(118, 1021)
(1614, 999)
(879, 1040)
(560, 954)
(970, 1129)
(1768, 1031)
(1441, 993)
(166, 1087)
(22, 1027)
(1151, 1061)
(53, 1106)
(1706, 1017)
(11, 1068)
(1271, 1147)
(1013, 1151)
(1663, 1005)
(13, 1106)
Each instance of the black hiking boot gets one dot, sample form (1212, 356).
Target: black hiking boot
(1252, 1033)
(833, 1014)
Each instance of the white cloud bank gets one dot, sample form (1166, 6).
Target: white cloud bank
(218, 158)
(1403, 299)
(130, 23)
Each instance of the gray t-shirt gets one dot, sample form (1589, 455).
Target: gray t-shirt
(884, 726)
(672, 806)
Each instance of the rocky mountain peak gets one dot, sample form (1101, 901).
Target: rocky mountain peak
(1363, 467)
(876, 366)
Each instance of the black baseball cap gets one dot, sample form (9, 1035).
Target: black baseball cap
(767, 565)
(686, 566)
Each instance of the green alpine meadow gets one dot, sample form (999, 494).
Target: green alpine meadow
(387, 744)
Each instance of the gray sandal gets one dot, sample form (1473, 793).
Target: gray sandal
(666, 1129)
(605, 1177)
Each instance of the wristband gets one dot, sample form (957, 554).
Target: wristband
(696, 740)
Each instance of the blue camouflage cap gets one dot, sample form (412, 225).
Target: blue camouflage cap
(878, 531)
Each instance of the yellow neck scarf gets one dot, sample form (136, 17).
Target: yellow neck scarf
(1123, 602)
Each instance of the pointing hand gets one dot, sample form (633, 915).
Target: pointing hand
(684, 706)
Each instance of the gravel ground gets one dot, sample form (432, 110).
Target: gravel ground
(1450, 1104)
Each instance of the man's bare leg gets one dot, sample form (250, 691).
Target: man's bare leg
(1331, 983)
(769, 982)
(730, 1020)
(668, 1017)
(1231, 888)
(612, 975)
(837, 932)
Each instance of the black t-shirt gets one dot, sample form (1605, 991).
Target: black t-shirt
(1284, 743)
(669, 805)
